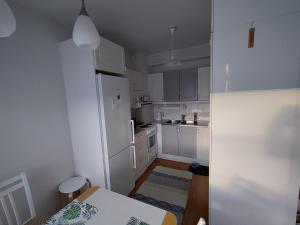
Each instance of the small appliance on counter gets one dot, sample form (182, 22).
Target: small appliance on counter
(183, 120)
(195, 118)
(145, 114)
(159, 116)
(142, 100)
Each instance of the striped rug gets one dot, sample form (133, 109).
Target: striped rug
(167, 189)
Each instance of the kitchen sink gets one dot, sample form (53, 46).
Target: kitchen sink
(172, 122)
(186, 122)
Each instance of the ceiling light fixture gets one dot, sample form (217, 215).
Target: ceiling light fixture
(173, 61)
(7, 20)
(85, 33)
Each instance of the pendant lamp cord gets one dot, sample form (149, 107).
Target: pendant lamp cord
(172, 30)
(172, 48)
(83, 9)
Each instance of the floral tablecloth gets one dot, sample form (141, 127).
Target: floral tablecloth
(78, 213)
(75, 213)
(135, 221)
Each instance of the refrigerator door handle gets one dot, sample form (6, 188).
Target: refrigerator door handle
(134, 157)
(132, 131)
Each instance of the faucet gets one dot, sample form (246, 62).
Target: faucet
(183, 121)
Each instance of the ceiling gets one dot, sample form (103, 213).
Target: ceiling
(138, 25)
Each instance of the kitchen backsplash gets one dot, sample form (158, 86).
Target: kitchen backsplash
(175, 111)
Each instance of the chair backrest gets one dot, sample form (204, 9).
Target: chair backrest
(201, 222)
(6, 193)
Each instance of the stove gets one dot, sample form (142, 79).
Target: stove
(151, 132)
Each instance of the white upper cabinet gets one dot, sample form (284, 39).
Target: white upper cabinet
(110, 57)
(156, 87)
(203, 84)
(137, 85)
(188, 85)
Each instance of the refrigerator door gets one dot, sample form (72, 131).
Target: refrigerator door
(121, 171)
(115, 113)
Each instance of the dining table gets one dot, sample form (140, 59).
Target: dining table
(99, 206)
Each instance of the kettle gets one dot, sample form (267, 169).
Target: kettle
(158, 116)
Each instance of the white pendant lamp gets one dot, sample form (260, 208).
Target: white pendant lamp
(7, 20)
(85, 33)
(173, 61)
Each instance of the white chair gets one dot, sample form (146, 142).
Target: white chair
(6, 193)
(201, 222)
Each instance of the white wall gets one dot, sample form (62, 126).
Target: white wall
(191, 57)
(34, 132)
(83, 110)
(274, 61)
(233, 13)
(255, 159)
(136, 61)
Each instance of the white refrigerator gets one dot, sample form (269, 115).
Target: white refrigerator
(117, 132)
(101, 132)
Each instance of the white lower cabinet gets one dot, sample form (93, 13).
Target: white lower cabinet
(170, 139)
(203, 145)
(141, 151)
(187, 141)
(179, 140)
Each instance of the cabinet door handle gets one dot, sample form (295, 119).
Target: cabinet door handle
(134, 157)
(132, 131)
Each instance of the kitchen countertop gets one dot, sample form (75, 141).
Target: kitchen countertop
(138, 130)
(199, 124)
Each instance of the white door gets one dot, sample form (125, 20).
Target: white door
(156, 87)
(115, 112)
(121, 172)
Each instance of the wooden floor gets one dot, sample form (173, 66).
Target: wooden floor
(298, 213)
(197, 203)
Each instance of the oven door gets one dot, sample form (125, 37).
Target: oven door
(152, 147)
(152, 141)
